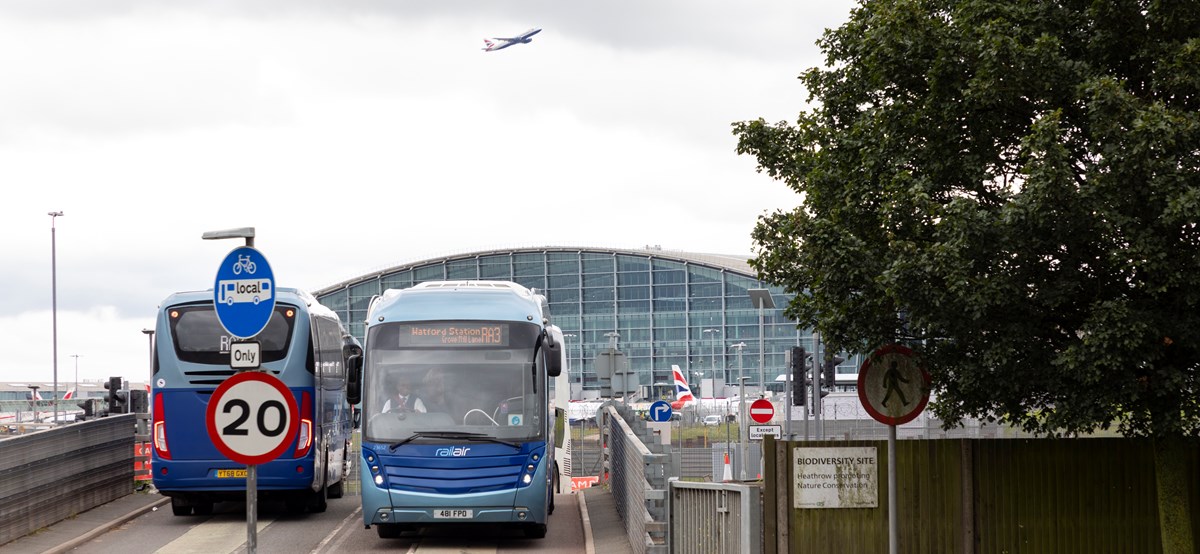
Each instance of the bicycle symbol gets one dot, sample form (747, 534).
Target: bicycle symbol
(244, 263)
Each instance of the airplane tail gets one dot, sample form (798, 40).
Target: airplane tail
(70, 394)
(489, 45)
(683, 393)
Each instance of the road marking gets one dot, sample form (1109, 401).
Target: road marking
(337, 546)
(211, 537)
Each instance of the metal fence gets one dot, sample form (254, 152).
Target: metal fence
(637, 478)
(54, 474)
(715, 518)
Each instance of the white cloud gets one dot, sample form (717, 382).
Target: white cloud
(358, 135)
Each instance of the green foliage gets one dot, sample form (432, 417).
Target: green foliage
(1013, 188)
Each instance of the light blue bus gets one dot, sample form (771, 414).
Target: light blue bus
(303, 344)
(474, 438)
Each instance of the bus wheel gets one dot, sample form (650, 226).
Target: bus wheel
(180, 508)
(203, 508)
(389, 530)
(552, 492)
(336, 490)
(536, 531)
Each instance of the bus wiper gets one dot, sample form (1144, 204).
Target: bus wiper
(480, 437)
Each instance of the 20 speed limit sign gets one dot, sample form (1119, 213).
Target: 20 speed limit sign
(252, 418)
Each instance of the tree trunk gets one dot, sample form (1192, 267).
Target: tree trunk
(1174, 510)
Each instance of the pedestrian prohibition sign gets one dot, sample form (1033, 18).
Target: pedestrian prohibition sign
(892, 385)
(761, 410)
(252, 417)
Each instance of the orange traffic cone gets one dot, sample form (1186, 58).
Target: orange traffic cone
(727, 474)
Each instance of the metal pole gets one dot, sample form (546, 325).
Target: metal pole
(76, 356)
(251, 508)
(742, 412)
(762, 380)
(893, 525)
(816, 392)
(54, 305)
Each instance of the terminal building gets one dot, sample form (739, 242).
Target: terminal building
(660, 308)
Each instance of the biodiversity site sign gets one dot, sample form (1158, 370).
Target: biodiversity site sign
(836, 477)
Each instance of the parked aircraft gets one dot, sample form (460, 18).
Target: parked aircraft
(683, 393)
(523, 38)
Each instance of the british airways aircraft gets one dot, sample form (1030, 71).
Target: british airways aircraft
(523, 38)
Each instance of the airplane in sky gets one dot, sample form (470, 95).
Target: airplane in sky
(523, 38)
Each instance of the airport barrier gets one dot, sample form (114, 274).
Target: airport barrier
(715, 518)
(52, 475)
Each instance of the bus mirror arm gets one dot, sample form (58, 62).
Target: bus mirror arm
(354, 379)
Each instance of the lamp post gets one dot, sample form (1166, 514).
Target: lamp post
(741, 409)
(150, 339)
(762, 298)
(76, 356)
(54, 305)
(714, 355)
(571, 336)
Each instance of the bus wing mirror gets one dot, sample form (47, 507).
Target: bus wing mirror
(553, 356)
(354, 379)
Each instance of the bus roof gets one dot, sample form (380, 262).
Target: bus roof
(472, 300)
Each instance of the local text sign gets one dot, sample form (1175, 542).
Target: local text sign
(244, 292)
(836, 477)
(252, 418)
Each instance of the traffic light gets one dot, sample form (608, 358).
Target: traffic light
(799, 388)
(139, 401)
(116, 400)
(829, 370)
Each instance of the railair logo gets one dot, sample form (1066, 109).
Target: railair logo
(455, 452)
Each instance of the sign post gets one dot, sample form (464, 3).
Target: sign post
(252, 416)
(894, 389)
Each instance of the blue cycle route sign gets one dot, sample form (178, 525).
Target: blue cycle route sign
(660, 411)
(244, 292)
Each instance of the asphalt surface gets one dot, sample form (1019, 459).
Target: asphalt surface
(603, 531)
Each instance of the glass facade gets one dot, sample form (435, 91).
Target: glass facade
(668, 308)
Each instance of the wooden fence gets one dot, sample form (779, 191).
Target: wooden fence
(1092, 495)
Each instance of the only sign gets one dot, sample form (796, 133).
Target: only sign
(252, 418)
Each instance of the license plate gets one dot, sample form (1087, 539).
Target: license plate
(231, 474)
(452, 514)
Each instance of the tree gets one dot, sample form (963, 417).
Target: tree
(1013, 188)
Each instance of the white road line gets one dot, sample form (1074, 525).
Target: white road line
(335, 532)
(212, 537)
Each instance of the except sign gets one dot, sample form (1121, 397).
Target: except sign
(892, 386)
(244, 292)
(252, 418)
(761, 410)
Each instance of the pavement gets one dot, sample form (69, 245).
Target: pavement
(602, 528)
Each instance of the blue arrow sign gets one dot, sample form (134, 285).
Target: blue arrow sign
(244, 292)
(660, 411)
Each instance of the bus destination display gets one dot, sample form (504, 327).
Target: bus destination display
(454, 334)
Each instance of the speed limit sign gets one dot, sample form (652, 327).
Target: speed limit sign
(252, 417)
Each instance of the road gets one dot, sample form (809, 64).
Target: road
(339, 529)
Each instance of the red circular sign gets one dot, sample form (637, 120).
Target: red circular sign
(761, 410)
(892, 385)
(252, 418)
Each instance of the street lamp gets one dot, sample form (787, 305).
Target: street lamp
(761, 298)
(571, 336)
(54, 305)
(76, 356)
(150, 339)
(742, 428)
(724, 378)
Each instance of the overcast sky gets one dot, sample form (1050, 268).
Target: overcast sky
(357, 135)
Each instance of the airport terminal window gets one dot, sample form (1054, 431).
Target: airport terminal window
(633, 278)
(596, 294)
(564, 281)
(632, 263)
(462, 270)
(400, 280)
(429, 273)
